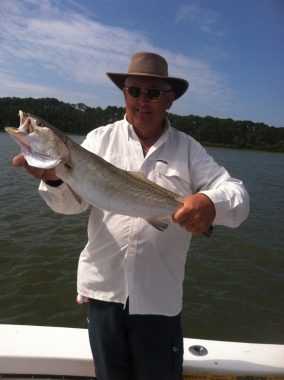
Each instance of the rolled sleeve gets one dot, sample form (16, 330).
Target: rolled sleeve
(62, 199)
(231, 201)
(229, 195)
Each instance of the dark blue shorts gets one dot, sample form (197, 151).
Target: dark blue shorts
(134, 347)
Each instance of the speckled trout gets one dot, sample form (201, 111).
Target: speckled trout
(90, 177)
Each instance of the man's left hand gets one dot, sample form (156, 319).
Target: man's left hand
(197, 213)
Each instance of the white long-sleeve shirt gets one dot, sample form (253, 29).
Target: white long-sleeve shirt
(125, 256)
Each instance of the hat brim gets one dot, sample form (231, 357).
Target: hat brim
(179, 86)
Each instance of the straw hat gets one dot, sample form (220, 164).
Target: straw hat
(152, 65)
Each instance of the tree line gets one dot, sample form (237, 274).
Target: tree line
(80, 119)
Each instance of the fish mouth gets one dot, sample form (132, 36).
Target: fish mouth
(11, 129)
(20, 135)
(25, 127)
(25, 123)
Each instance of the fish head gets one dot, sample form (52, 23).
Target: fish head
(41, 147)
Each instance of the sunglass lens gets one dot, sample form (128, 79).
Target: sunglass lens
(153, 93)
(133, 91)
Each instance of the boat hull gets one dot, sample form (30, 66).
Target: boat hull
(41, 352)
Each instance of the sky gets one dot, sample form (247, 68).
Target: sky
(230, 51)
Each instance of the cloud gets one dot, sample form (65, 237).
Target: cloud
(205, 19)
(49, 48)
(68, 44)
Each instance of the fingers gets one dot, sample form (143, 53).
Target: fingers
(193, 225)
(37, 172)
(196, 215)
(19, 161)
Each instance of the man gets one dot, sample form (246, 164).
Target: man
(131, 273)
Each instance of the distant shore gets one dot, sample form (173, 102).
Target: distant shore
(209, 131)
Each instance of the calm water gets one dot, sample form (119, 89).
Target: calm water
(234, 283)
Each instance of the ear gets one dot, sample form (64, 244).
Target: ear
(170, 99)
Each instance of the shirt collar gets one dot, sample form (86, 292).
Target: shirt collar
(131, 135)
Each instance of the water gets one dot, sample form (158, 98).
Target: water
(234, 282)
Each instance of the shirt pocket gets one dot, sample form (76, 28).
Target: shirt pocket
(173, 177)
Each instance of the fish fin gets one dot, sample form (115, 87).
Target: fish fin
(75, 195)
(160, 224)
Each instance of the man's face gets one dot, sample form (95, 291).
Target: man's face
(144, 114)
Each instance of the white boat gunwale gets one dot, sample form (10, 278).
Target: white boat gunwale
(42, 352)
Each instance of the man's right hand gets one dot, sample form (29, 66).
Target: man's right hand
(44, 174)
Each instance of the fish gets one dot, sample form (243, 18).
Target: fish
(90, 177)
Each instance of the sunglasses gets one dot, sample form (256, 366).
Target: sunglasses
(153, 94)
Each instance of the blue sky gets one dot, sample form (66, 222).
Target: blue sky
(230, 51)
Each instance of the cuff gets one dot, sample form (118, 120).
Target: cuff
(54, 183)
